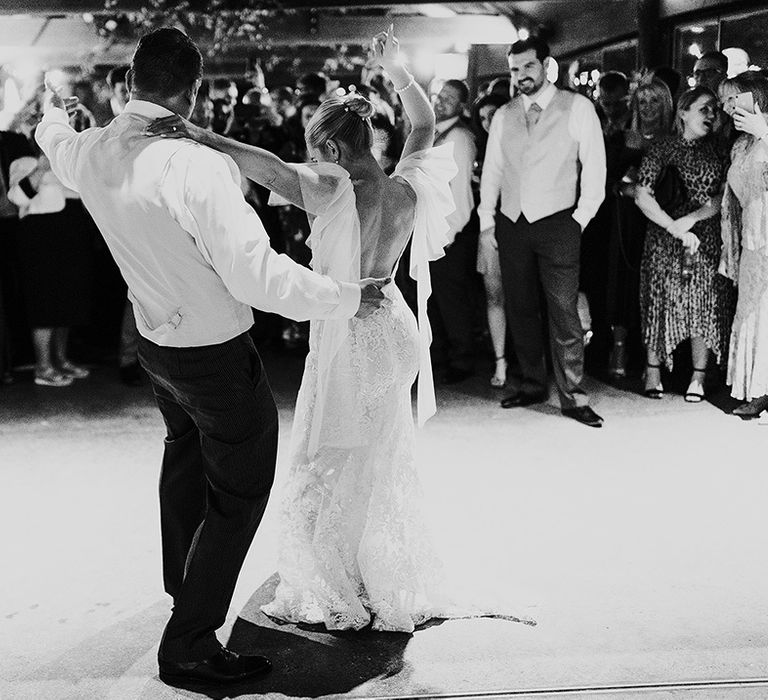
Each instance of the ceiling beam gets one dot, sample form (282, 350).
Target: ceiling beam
(38, 7)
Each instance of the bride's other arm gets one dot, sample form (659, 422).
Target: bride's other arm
(255, 163)
(387, 53)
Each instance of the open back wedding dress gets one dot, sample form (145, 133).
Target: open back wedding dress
(354, 547)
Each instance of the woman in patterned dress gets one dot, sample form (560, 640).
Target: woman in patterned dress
(676, 306)
(745, 244)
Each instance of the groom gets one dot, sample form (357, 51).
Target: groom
(196, 258)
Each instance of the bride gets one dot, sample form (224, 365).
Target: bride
(354, 547)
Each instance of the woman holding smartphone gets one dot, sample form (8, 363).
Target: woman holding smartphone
(681, 295)
(745, 240)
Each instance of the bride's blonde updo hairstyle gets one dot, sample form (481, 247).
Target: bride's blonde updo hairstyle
(346, 120)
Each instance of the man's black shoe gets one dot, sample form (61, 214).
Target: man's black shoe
(454, 375)
(223, 667)
(584, 414)
(130, 375)
(522, 398)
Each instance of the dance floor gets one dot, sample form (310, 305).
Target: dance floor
(640, 550)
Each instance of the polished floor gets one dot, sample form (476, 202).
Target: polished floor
(640, 549)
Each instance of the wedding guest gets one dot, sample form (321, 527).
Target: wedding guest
(223, 93)
(12, 147)
(682, 296)
(55, 252)
(670, 77)
(745, 244)
(118, 87)
(710, 69)
(598, 241)
(202, 113)
(487, 252)
(651, 113)
(452, 301)
(128, 347)
(312, 84)
(283, 99)
(545, 164)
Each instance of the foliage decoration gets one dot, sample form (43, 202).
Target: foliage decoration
(213, 23)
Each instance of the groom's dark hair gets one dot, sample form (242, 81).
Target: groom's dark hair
(166, 63)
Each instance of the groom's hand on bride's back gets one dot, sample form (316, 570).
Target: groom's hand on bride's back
(371, 296)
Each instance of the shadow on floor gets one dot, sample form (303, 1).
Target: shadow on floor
(309, 661)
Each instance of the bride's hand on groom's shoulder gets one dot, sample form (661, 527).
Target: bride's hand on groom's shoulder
(173, 127)
(371, 296)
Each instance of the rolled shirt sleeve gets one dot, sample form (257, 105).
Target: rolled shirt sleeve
(232, 239)
(584, 126)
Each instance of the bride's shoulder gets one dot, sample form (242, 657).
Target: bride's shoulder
(400, 185)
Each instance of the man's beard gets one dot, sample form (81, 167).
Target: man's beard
(528, 86)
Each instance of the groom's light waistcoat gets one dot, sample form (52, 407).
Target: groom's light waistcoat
(194, 254)
(541, 173)
(557, 164)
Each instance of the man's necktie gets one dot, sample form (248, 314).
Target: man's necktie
(532, 115)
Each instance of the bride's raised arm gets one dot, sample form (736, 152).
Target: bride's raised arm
(387, 53)
(255, 163)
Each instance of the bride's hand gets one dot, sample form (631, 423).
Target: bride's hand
(386, 49)
(173, 127)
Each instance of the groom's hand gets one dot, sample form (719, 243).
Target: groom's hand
(371, 296)
(53, 98)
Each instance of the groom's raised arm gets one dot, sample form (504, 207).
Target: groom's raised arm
(61, 144)
(232, 239)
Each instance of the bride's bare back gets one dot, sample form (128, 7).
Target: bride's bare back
(386, 208)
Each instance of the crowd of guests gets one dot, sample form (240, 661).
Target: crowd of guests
(673, 259)
(621, 232)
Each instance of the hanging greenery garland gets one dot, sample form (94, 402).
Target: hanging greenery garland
(214, 23)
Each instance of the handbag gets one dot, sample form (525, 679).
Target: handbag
(669, 189)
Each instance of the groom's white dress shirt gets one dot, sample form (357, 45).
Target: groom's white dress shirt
(194, 254)
(556, 167)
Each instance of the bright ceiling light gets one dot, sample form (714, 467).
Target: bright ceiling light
(434, 10)
(696, 30)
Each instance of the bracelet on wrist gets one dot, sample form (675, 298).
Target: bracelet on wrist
(409, 84)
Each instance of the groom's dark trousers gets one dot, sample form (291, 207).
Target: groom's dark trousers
(217, 471)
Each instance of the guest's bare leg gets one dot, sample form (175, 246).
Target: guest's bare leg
(699, 357)
(653, 373)
(497, 325)
(60, 341)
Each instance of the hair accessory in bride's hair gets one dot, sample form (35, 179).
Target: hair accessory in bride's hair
(346, 109)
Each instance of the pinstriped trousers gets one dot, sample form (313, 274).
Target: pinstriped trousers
(217, 470)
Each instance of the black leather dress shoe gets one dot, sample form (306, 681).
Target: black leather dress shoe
(584, 414)
(521, 398)
(223, 667)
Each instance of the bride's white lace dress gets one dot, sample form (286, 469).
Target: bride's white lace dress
(354, 546)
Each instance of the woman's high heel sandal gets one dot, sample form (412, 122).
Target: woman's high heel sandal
(654, 392)
(695, 392)
(499, 378)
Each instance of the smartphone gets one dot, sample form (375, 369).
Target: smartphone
(746, 101)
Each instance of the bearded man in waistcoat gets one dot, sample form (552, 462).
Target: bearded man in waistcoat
(545, 166)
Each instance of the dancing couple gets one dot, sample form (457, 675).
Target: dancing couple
(166, 197)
